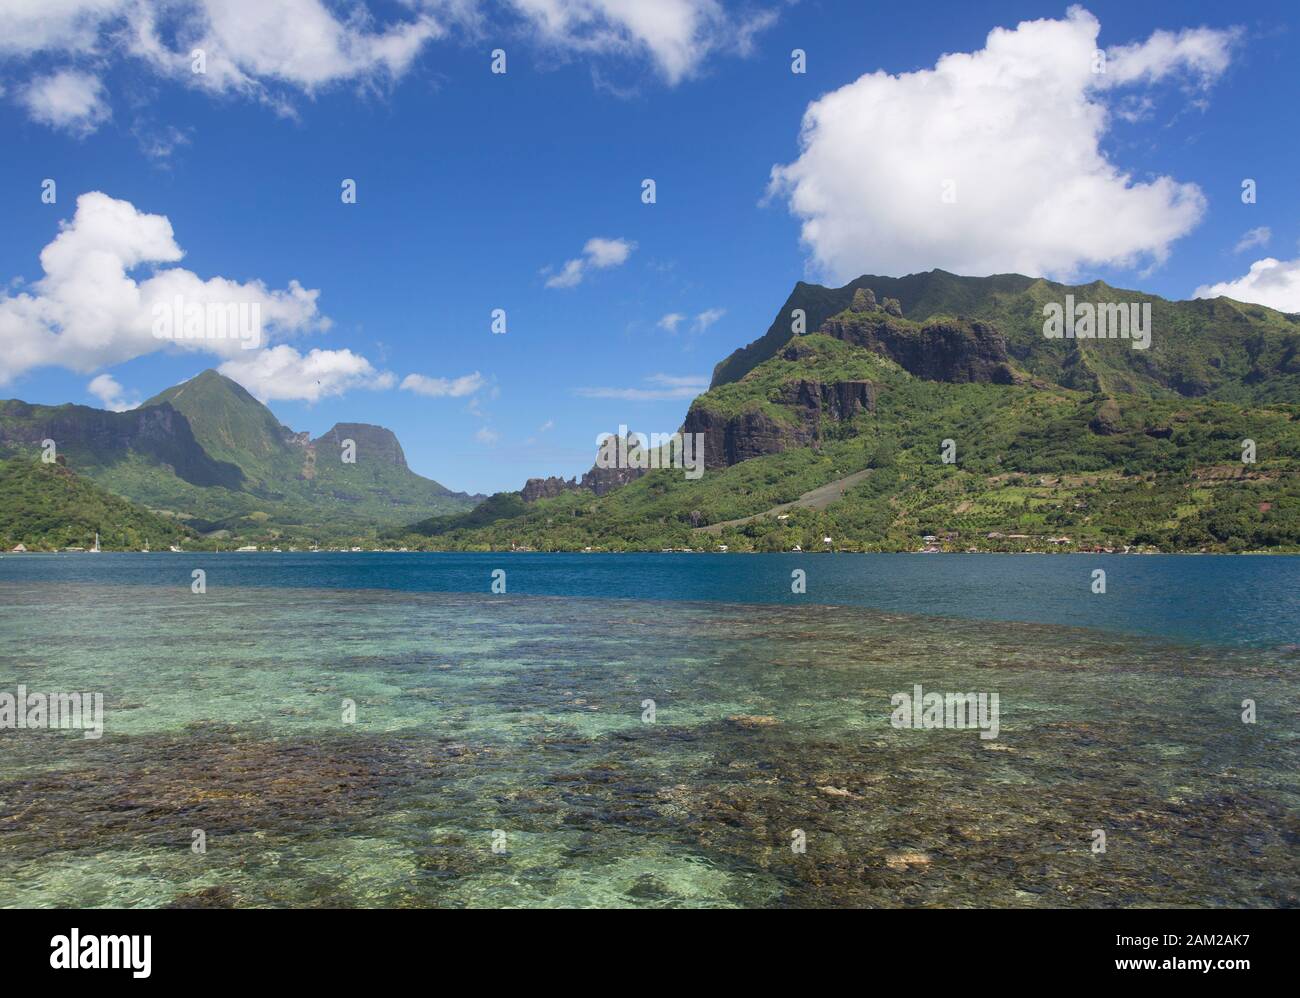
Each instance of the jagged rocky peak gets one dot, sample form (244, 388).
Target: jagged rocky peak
(373, 443)
(547, 488)
(601, 481)
(598, 481)
(864, 300)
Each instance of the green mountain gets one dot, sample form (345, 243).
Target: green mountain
(210, 454)
(1214, 348)
(1054, 444)
(49, 507)
(234, 428)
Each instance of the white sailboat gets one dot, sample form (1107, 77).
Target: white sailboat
(95, 549)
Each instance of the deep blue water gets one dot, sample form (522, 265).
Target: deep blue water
(1229, 600)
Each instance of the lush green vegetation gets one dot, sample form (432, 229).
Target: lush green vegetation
(214, 457)
(1097, 445)
(1100, 469)
(1206, 347)
(47, 507)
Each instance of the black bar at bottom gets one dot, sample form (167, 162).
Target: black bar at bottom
(333, 948)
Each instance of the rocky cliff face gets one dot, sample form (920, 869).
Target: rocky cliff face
(547, 488)
(601, 481)
(374, 443)
(838, 401)
(955, 350)
(93, 438)
(753, 433)
(729, 440)
(597, 481)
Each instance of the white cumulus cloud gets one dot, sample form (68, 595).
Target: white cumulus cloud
(88, 311)
(106, 388)
(1271, 282)
(274, 50)
(28, 26)
(253, 45)
(282, 372)
(677, 35)
(67, 100)
(991, 160)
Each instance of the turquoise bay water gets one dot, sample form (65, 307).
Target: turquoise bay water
(1219, 599)
(519, 720)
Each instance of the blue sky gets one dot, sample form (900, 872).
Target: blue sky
(474, 190)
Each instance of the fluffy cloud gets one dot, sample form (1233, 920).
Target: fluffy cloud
(252, 45)
(467, 384)
(283, 373)
(105, 388)
(264, 49)
(271, 49)
(88, 312)
(1203, 53)
(54, 25)
(599, 253)
(676, 34)
(246, 43)
(607, 252)
(1275, 283)
(68, 100)
(991, 161)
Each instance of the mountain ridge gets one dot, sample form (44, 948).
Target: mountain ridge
(207, 451)
(1204, 346)
(1051, 444)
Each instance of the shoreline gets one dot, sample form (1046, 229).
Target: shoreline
(1282, 552)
